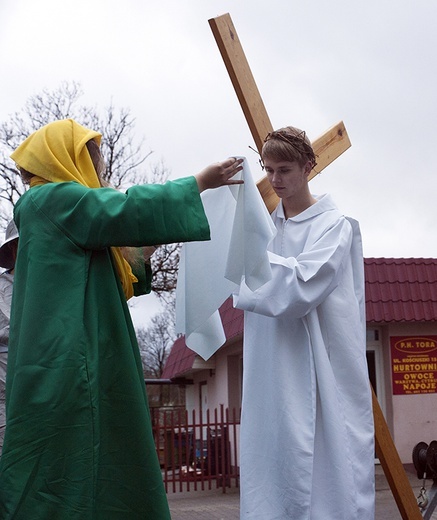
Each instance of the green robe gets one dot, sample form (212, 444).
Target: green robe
(79, 441)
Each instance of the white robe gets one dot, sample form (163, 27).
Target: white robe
(307, 438)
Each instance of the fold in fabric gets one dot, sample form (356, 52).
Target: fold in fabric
(241, 229)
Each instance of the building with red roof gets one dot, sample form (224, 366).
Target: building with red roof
(401, 315)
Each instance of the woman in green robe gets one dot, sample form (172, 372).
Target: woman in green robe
(79, 441)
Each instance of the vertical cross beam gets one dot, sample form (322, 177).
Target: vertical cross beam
(327, 148)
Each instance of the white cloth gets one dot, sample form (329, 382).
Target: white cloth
(307, 438)
(241, 229)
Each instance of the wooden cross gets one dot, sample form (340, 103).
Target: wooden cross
(327, 148)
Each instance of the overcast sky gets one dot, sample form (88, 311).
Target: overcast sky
(371, 64)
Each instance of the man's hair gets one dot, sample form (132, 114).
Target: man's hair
(289, 144)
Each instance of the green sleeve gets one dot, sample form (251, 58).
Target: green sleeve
(96, 218)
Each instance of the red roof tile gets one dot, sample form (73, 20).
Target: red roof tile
(401, 289)
(397, 290)
(179, 361)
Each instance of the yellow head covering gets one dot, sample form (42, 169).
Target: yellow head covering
(57, 153)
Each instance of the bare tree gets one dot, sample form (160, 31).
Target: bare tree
(123, 154)
(156, 340)
(165, 263)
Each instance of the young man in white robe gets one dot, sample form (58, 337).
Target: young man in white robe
(307, 438)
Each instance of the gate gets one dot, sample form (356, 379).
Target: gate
(197, 454)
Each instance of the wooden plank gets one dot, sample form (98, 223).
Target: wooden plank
(329, 147)
(393, 468)
(242, 79)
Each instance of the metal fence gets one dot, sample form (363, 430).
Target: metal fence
(195, 451)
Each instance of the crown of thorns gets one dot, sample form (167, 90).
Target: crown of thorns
(298, 142)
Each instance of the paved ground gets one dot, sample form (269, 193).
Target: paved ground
(216, 505)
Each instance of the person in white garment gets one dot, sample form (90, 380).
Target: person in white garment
(8, 254)
(307, 436)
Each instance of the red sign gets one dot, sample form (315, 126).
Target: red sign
(414, 364)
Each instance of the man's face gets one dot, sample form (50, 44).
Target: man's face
(288, 179)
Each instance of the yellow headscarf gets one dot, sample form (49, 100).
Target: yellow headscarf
(57, 153)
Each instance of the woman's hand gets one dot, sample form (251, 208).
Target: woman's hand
(219, 174)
